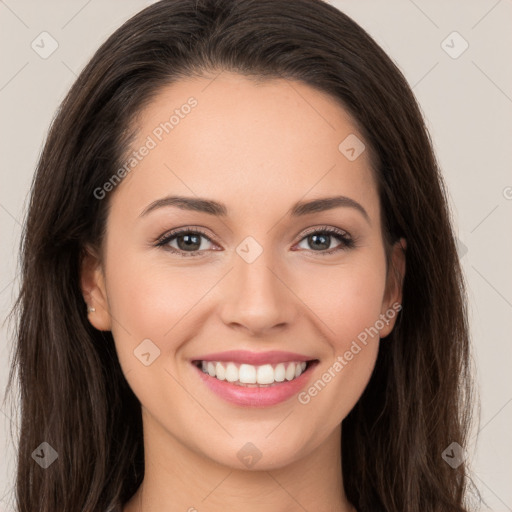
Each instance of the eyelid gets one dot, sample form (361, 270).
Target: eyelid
(162, 239)
(330, 229)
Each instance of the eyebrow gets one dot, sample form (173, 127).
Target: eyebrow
(218, 209)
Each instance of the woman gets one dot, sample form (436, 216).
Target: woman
(240, 283)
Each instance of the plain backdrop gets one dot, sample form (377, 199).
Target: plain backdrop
(463, 82)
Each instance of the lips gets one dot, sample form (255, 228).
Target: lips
(256, 395)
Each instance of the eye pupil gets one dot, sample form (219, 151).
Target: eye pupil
(193, 242)
(323, 245)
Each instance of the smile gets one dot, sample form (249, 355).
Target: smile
(248, 385)
(250, 375)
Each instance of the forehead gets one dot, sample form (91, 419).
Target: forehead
(231, 137)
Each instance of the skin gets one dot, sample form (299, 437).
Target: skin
(258, 148)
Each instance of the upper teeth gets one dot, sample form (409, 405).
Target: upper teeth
(249, 374)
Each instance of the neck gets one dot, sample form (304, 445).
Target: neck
(177, 478)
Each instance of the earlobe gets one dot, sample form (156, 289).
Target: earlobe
(392, 302)
(92, 282)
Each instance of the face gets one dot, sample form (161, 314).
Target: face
(254, 272)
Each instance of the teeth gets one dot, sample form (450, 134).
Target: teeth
(247, 374)
(220, 372)
(264, 374)
(231, 372)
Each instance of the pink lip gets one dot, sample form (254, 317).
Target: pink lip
(254, 358)
(256, 396)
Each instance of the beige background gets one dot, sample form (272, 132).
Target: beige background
(467, 102)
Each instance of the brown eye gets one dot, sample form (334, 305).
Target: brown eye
(185, 242)
(321, 241)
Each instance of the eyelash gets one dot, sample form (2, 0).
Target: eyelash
(346, 241)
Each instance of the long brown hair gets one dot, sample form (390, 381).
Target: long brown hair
(73, 393)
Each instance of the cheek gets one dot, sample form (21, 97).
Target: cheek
(348, 303)
(148, 301)
(154, 302)
(347, 299)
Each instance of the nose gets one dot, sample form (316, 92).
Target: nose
(256, 297)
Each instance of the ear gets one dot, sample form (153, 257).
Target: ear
(92, 281)
(392, 302)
